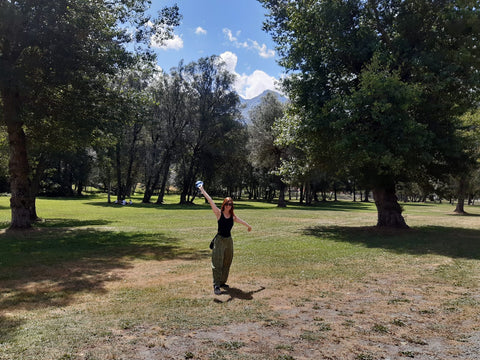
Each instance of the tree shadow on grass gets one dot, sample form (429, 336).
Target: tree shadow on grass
(334, 206)
(47, 267)
(247, 204)
(239, 204)
(7, 328)
(65, 223)
(466, 214)
(447, 241)
(56, 223)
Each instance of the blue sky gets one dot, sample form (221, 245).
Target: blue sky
(231, 29)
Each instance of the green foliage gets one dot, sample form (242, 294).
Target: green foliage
(56, 57)
(207, 149)
(371, 97)
(263, 150)
(376, 131)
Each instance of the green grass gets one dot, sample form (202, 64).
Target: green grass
(55, 297)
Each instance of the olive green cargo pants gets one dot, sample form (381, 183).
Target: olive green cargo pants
(222, 256)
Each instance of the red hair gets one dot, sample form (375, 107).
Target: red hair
(228, 199)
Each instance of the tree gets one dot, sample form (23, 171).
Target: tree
(214, 114)
(373, 95)
(55, 46)
(464, 176)
(131, 116)
(171, 114)
(264, 151)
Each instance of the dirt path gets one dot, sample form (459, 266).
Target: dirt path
(381, 318)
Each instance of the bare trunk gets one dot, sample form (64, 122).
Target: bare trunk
(79, 188)
(166, 171)
(188, 179)
(36, 177)
(129, 188)
(120, 187)
(149, 186)
(388, 208)
(366, 196)
(460, 208)
(20, 200)
(281, 197)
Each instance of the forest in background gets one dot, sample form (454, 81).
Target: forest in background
(373, 107)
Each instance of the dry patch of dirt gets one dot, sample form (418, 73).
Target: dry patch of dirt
(383, 317)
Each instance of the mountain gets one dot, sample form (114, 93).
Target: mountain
(249, 104)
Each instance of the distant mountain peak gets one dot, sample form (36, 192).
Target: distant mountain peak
(249, 104)
(280, 97)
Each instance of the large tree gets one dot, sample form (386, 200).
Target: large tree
(264, 151)
(53, 47)
(378, 85)
(214, 114)
(466, 176)
(171, 114)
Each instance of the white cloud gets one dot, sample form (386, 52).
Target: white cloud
(229, 35)
(263, 51)
(176, 43)
(230, 60)
(200, 31)
(249, 44)
(256, 83)
(248, 86)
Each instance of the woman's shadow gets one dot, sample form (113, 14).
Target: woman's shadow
(238, 294)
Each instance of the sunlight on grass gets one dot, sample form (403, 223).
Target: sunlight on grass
(93, 272)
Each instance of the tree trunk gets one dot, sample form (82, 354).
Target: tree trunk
(109, 189)
(36, 176)
(80, 188)
(354, 192)
(388, 208)
(366, 196)
(188, 178)
(152, 173)
(281, 196)
(120, 188)
(129, 188)
(20, 202)
(150, 186)
(459, 209)
(166, 171)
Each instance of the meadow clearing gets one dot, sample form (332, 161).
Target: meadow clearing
(100, 281)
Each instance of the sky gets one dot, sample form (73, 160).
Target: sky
(231, 29)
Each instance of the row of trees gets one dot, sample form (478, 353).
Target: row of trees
(187, 125)
(373, 105)
(78, 106)
(178, 127)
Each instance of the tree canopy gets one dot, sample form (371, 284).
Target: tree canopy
(53, 52)
(371, 93)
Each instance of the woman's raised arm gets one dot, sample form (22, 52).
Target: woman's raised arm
(214, 207)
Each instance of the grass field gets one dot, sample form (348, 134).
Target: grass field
(101, 281)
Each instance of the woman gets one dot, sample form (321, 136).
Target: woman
(222, 252)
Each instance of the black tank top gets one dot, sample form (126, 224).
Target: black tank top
(225, 225)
